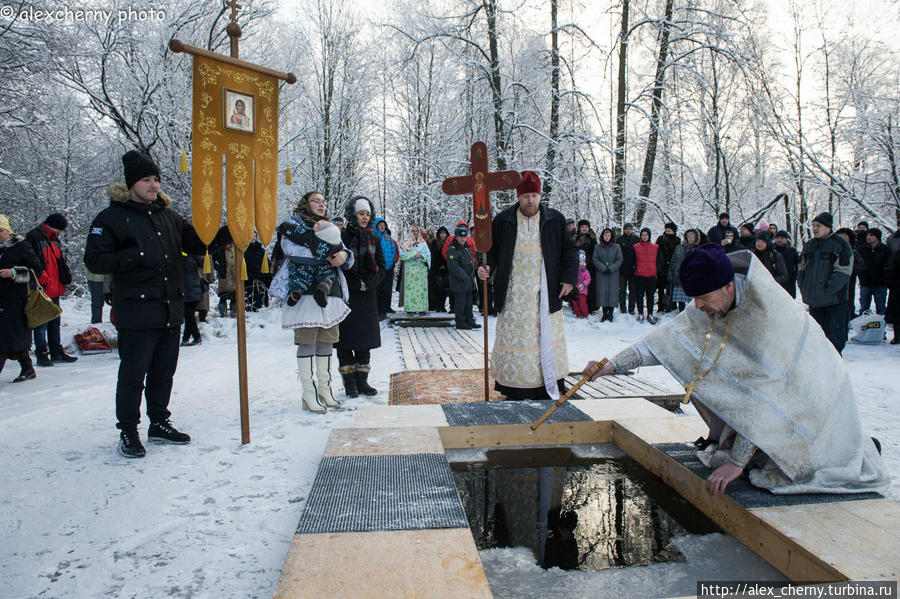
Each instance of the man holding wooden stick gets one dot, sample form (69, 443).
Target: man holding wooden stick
(535, 265)
(772, 389)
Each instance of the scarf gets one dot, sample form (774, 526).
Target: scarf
(309, 217)
(361, 241)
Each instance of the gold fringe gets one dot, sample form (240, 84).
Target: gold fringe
(207, 264)
(243, 269)
(288, 179)
(264, 269)
(184, 167)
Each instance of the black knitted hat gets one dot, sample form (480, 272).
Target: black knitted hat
(137, 166)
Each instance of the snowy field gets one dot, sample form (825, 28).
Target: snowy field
(215, 518)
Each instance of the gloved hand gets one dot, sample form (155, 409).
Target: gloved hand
(107, 299)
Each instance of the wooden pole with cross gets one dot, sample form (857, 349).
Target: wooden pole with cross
(480, 183)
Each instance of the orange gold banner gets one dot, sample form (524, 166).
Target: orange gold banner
(235, 128)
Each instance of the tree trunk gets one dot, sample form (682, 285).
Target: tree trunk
(655, 107)
(490, 7)
(618, 190)
(554, 102)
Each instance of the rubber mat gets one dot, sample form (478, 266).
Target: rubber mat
(509, 412)
(745, 493)
(381, 493)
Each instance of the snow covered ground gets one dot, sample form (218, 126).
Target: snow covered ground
(215, 518)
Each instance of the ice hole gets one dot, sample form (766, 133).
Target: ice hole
(581, 507)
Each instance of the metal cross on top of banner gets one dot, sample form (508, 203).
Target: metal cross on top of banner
(235, 129)
(480, 184)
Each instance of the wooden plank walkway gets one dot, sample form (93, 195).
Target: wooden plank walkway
(429, 348)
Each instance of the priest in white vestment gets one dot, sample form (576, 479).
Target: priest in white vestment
(773, 390)
(534, 263)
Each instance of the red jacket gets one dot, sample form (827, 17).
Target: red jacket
(46, 246)
(645, 253)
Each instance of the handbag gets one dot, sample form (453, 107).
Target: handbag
(39, 308)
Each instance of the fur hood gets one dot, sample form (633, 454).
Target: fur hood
(118, 192)
(12, 240)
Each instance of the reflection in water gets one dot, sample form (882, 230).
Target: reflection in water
(592, 517)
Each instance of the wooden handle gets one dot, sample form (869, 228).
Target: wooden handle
(587, 376)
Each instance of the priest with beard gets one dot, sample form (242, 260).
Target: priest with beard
(774, 392)
(534, 263)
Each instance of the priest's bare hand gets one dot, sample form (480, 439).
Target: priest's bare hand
(566, 290)
(338, 259)
(605, 370)
(721, 476)
(484, 272)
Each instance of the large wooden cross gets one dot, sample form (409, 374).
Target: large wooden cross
(480, 184)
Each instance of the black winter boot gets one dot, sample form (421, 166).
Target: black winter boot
(27, 372)
(362, 376)
(44, 359)
(62, 356)
(130, 443)
(164, 432)
(348, 373)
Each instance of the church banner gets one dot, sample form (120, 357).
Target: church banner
(235, 133)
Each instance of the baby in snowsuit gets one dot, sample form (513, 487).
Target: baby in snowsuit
(311, 273)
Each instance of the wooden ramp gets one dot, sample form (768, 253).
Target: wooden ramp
(425, 349)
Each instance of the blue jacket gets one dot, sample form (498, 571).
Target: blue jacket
(388, 245)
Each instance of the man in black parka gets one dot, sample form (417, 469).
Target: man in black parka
(138, 240)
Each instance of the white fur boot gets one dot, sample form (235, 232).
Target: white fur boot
(323, 378)
(309, 397)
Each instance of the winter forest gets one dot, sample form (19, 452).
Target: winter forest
(630, 110)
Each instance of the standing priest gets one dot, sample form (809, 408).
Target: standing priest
(535, 264)
(773, 390)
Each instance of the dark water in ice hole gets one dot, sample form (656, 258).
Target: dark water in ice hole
(626, 516)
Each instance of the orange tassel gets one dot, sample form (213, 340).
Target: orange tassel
(207, 264)
(264, 269)
(243, 269)
(184, 167)
(288, 179)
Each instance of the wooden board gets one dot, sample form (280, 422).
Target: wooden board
(764, 535)
(428, 319)
(383, 441)
(409, 563)
(859, 547)
(610, 409)
(399, 416)
(502, 435)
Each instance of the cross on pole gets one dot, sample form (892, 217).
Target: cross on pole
(235, 8)
(480, 184)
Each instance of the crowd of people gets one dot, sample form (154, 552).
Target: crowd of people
(632, 273)
(333, 277)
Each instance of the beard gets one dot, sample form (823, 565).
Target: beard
(528, 211)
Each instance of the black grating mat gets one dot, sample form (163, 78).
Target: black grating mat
(382, 492)
(743, 492)
(509, 412)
